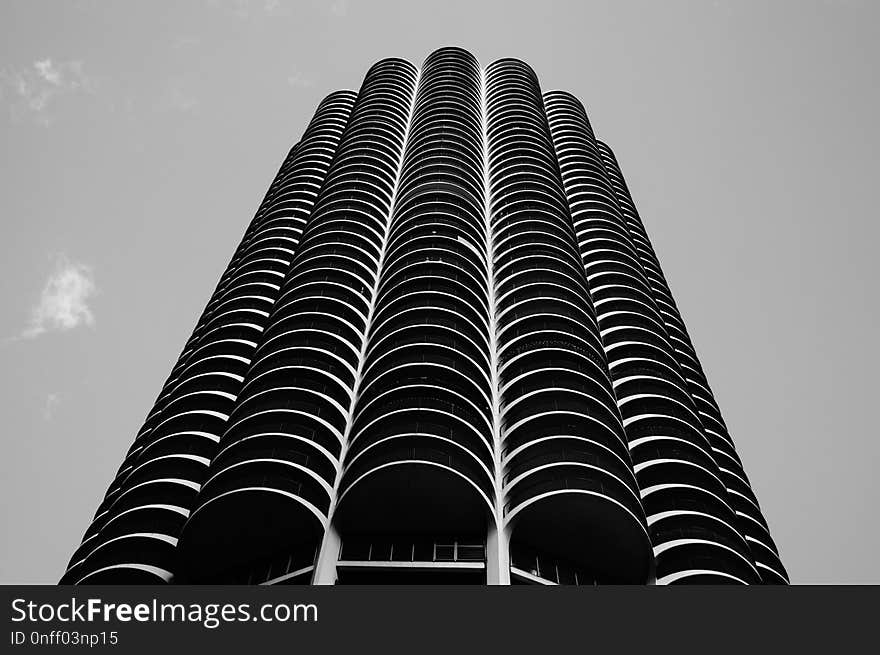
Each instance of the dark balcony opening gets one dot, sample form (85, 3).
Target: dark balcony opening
(460, 451)
(419, 492)
(293, 565)
(530, 565)
(245, 525)
(585, 530)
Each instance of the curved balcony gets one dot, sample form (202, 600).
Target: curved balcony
(638, 344)
(569, 486)
(586, 516)
(749, 519)
(168, 461)
(689, 538)
(420, 454)
(255, 512)
(279, 455)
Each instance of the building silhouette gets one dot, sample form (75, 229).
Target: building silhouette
(444, 352)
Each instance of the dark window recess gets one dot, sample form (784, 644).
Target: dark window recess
(270, 568)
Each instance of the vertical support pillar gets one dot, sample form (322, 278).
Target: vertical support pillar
(328, 556)
(498, 555)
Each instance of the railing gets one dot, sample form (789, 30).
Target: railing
(411, 550)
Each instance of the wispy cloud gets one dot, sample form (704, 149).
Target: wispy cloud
(32, 91)
(63, 303)
(48, 72)
(301, 80)
(50, 407)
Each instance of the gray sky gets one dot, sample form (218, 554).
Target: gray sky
(138, 139)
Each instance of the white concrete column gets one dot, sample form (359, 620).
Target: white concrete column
(497, 555)
(328, 556)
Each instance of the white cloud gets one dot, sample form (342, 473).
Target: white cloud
(31, 91)
(63, 304)
(48, 72)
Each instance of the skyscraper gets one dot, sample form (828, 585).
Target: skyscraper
(444, 351)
